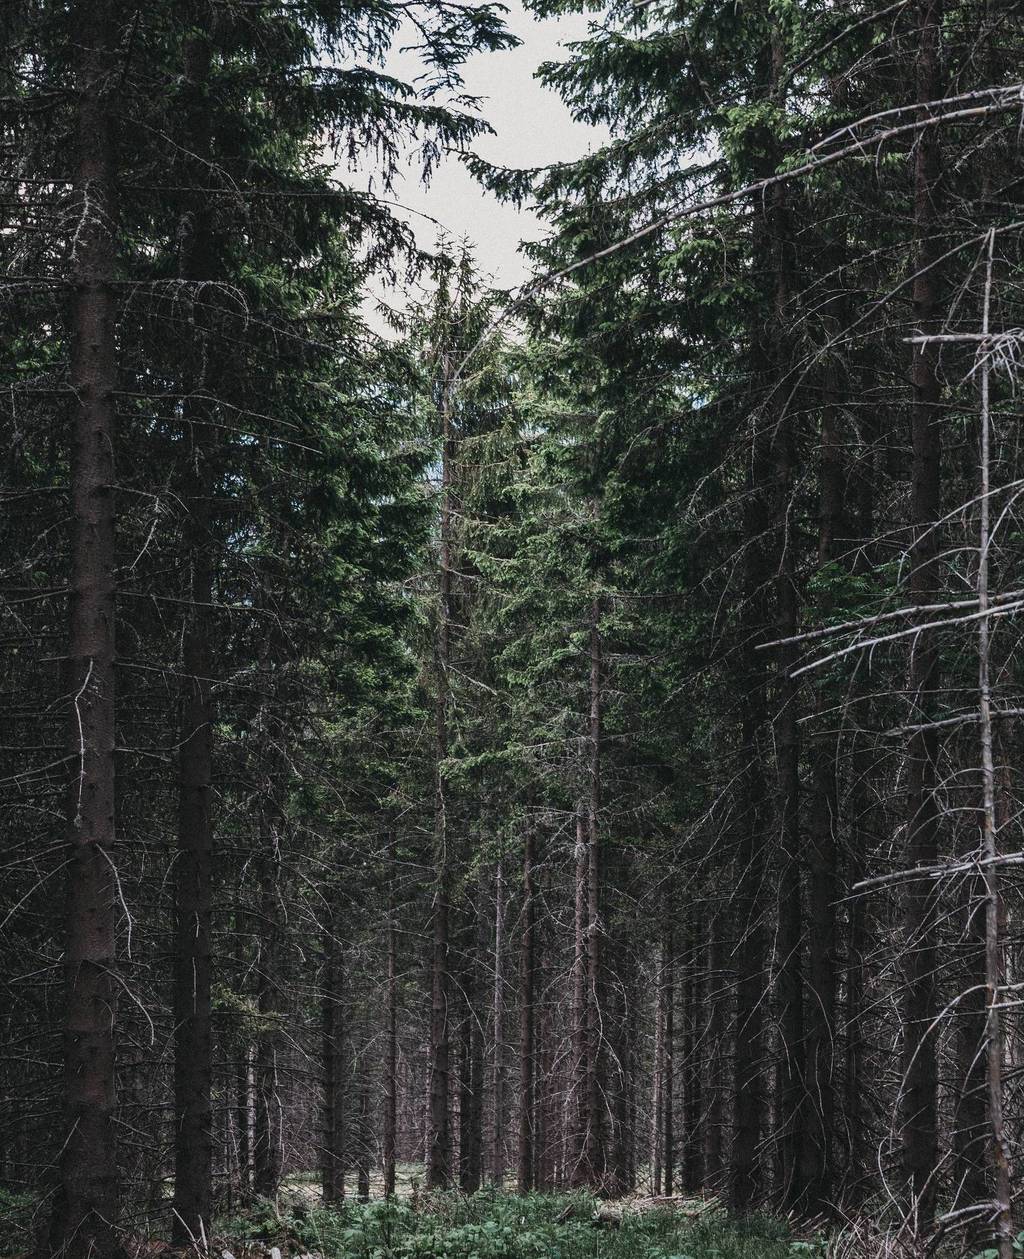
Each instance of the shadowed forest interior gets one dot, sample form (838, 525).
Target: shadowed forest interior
(496, 773)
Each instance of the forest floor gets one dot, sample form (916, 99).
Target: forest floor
(491, 1224)
(496, 1225)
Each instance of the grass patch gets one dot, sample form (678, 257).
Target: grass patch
(496, 1225)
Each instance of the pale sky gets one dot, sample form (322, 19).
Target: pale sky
(532, 128)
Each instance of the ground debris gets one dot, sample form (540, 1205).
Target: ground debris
(611, 1214)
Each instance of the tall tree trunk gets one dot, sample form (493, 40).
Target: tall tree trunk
(335, 1073)
(999, 1144)
(391, 1050)
(595, 1160)
(498, 1031)
(791, 1084)
(919, 1117)
(439, 1151)
(528, 1017)
(580, 1070)
(855, 1105)
(546, 1116)
(193, 1041)
(818, 1148)
(857, 1110)
(86, 1207)
(364, 1148)
(245, 1119)
(712, 1056)
(267, 1134)
(623, 1178)
(471, 1057)
(751, 858)
(693, 1066)
(970, 1130)
(668, 1056)
(748, 1063)
(657, 1111)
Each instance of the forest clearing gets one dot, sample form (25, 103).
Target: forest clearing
(520, 765)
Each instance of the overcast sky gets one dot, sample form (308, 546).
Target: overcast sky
(532, 128)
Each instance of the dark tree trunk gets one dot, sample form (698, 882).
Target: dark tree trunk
(595, 1161)
(335, 1073)
(193, 1042)
(818, 1149)
(244, 1112)
(693, 1067)
(391, 1050)
(363, 1163)
(546, 1115)
(712, 1057)
(439, 1150)
(751, 859)
(857, 1112)
(668, 982)
(620, 1158)
(498, 1032)
(791, 1085)
(749, 1097)
(856, 1105)
(657, 1108)
(970, 1122)
(919, 1116)
(629, 1058)
(578, 1111)
(471, 1059)
(86, 1207)
(528, 1018)
(439, 1154)
(267, 1135)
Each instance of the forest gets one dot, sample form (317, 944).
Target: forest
(511, 773)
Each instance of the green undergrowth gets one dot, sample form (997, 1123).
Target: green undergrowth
(16, 1210)
(503, 1226)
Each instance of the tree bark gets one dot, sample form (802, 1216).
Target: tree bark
(363, 1151)
(751, 857)
(624, 1003)
(439, 1151)
(498, 1031)
(267, 1134)
(335, 1073)
(580, 1053)
(471, 1058)
(712, 1058)
(668, 1057)
(818, 1148)
(245, 1121)
(970, 1130)
(86, 1207)
(595, 1162)
(791, 1084)
(999, 1144)
(748, 1064)
(543, 1162)
(391, 1051)
(657, 1112)
(693, 1027)
(919, 1109)
(527, 1018)
(193, 1041)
